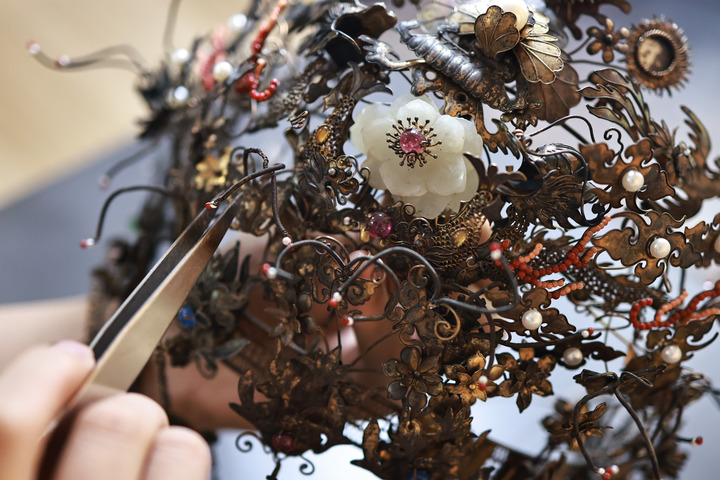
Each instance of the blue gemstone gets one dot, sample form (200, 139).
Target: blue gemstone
(187, 317)
(419, 475)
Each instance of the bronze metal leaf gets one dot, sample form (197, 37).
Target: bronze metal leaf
(539, 58)
(495, 31)
(602, 172)
(633, 247)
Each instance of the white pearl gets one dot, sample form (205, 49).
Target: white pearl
(179, 96)
(272, 273)
(180, 57)
(518, 7)
(237, 22)
(532, 319)
(573, 356)
(716, 245)
(671, 354)
(660, 248)
(633, 181)
(221, 71)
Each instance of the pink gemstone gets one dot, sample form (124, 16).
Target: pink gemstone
(283, 443)
(379, 225)
(411, 141)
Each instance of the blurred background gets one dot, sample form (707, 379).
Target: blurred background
(59, 131)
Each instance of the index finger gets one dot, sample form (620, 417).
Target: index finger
(34, 390)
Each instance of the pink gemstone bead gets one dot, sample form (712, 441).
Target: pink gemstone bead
(411, 141)
(379, 225)
(283, 443)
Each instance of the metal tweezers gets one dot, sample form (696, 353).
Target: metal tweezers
(126, 341)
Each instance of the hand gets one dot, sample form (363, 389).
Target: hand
(124, 437)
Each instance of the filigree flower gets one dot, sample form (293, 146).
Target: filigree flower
(416, 377)
(212, 171)
(607, 40)
(468, 380)
(526, 376)
(417, 154)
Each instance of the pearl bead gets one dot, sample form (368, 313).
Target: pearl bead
(180, 57)
(518, 7)
(660, 248)
(633, 181)
(716, 245)
(671, 354)
(573, 356)
(237, 22)
(221, 71)
(532, 319)
(286, 241)
(272, 273)
(179, 96)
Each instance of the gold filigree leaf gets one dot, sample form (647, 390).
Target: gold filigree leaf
(557, 97)
(655, 184)
(495, 31)
(539, 58)
(633, 247)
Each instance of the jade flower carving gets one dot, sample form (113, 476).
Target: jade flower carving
(416, 154)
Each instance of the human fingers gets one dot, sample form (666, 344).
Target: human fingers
(111, 439)
(34, 389)
(180, 454)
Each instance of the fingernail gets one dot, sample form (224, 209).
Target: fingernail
(76, 348)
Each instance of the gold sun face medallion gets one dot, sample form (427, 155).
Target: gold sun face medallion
(657, 57)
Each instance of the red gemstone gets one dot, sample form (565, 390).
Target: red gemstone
(412, 141)
(590, 331)
(283, 443)
(379, 225)
(699, 441)
(265, 268)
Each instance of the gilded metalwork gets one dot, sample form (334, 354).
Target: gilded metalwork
(462, 304)
(657, 56)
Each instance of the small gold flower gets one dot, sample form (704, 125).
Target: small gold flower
(212, 171)
(608, 40)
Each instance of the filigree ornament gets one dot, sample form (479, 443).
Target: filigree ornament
(657, 55)
(621, 176)
(473, 382)
(570, 10)
(620, 102)
(496, 32)
(526, 376)
(607, 40)
(551, 101)
(390, 290)
(417, 377)
(560, 427)
(537, 299)
(539, 58)
(341, 25)
(651, 245)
